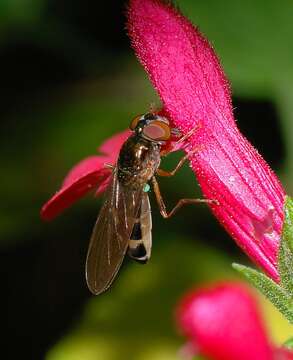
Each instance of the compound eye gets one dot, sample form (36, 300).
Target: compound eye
(135, 121)
(157, 130)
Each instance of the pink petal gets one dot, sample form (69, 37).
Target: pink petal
(84, 167)
(103, 186)
(283, 354)
(224, 322)
(188, 77)
(112, 146)
(85, 176)
(65, 197)
(188, 351)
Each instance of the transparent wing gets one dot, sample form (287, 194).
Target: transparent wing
(146, 225)
(111, 234)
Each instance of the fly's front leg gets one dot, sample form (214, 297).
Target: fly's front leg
(181, 140)
(109, 166)
(187, 135)
(181, 202)
(162, 172)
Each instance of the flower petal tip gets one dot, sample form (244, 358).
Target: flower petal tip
(69, 194)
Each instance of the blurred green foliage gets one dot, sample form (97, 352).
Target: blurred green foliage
(82, 94)
(252, 38)
(19, 12)
(135, 319)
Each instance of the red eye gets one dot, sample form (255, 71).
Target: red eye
(157, 130)
(135, 121)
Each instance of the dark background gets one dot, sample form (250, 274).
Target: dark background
(69, 80)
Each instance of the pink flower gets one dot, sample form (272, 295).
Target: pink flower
(223, 322)
(91, 173)
(189, 79)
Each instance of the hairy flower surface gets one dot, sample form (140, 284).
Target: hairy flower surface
(223, 322)
(195, 93)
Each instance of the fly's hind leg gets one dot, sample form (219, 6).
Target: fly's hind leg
(180, 203)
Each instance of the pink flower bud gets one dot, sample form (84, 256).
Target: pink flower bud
(223, 322)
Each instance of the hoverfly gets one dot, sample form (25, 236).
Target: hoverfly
(124, 223)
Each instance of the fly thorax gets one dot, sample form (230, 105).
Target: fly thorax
(138, 160)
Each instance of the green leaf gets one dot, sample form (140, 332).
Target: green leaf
(288, 225)
(285, 258)
(274, 292)
(289, 344)
(281, 295)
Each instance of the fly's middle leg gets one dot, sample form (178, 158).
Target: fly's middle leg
(180, 203)
(165, 173)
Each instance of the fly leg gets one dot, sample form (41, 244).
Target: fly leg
(162, 172)
(109, 166)
(181, 140)
(180, 203)
(187, 135)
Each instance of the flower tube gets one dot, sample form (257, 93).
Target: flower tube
(195, 93)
